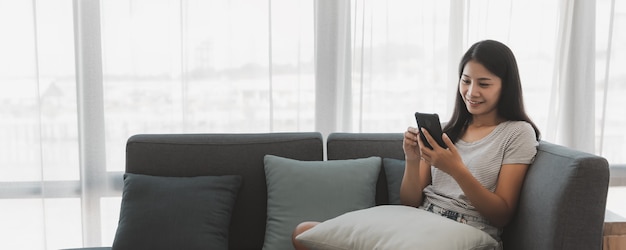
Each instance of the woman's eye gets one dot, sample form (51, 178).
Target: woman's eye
(483, 84)
(465, 81)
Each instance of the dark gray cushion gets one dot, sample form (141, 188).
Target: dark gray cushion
(394, 171)
(176, 212)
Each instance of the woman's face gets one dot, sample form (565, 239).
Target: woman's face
(480, 89)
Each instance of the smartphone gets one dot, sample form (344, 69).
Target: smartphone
(431, 123)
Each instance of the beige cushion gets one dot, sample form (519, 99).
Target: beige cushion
(394, 227)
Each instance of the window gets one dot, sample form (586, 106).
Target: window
(241, 66)
(39, 169)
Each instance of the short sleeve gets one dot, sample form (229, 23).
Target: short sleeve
(522, 145)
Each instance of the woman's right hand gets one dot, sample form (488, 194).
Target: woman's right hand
(410, 145)
(416, 171)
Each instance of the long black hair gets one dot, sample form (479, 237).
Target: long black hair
(499, 60)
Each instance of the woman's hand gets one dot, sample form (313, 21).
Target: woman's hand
(447, 160)
(410, 144)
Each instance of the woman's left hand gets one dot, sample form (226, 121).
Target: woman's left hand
(447, 160)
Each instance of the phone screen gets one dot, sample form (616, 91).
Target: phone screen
(431, 123)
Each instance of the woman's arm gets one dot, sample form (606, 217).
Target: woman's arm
(416, 171)
(416, 178)
(499, 206)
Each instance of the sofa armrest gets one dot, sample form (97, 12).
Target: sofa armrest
(562, 202)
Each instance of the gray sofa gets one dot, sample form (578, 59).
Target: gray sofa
(562, 204)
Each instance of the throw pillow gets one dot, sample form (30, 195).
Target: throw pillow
(394, 171)
(395, 227)
(176, 212)
(299, 191)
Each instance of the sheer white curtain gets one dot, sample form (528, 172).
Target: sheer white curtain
(403, 61)
(40, 203)
(80, 77)
(333, 63)
(205, 66)
(610, 60)
(406, 57)
(572, 103)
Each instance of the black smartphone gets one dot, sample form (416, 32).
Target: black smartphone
(431, 123)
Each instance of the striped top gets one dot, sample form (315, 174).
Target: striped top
(511, 142)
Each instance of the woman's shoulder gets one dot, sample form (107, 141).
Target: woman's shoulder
(518, 125)
(519, 128)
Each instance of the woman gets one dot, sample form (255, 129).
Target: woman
(491, 142)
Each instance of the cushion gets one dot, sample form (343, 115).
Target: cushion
(394, 171)
(394, 227)
(176, 212)
(299, 191)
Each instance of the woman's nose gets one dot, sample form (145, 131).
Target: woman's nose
(471, 90)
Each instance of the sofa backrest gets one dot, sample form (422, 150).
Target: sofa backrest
(562, 202)
(224, 154)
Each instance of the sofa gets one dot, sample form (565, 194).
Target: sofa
(562, 202)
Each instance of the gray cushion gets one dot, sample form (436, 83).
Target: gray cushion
(394, 171)
(342, 146)
(314, 191)
(176, 212)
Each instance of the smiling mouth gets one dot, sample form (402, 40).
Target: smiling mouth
(473, 102)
